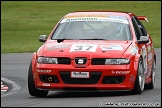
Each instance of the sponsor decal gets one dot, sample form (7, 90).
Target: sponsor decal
(46, 84)
(118, 17)
(111, 47)
(149, 73)
(149, 56)
(150, 66)
(83, 47)
(45, 71)
(132, 78)
(134, 49)
(76, 16)
(149, 49)
(57, 47)
(120, 72)
(144, 55)
(150, 63)
(94, 19)
(78, 19)
(79, 74)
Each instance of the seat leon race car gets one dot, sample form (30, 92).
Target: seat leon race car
(94, 50)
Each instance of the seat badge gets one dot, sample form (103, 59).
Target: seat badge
(80, 61)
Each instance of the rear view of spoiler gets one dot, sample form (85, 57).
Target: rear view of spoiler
(142, 18)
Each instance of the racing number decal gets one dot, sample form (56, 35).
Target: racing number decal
(89, 47)
(83, 47)
(79, 47)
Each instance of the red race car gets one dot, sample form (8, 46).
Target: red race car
(94, 50)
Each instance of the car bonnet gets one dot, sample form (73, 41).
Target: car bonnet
(85, 48)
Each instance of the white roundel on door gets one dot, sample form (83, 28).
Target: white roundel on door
(83, 47)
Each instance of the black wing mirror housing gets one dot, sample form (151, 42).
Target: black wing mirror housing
(42, 38)
(143, 40)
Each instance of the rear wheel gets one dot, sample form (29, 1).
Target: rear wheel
(151, 85)
(33, 91)
(140, 78)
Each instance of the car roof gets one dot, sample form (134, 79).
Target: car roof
(98, 12)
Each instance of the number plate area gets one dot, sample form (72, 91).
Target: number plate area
(80, 75)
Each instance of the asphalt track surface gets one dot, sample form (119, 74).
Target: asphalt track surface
(14, 71)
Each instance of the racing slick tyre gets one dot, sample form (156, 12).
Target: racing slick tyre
(33, 91)
(151, 85)
(140, 78)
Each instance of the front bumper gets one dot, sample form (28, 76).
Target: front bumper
(58, 77)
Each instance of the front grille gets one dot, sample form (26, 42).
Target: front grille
(94, 78)
(64, 61)
(98, 61)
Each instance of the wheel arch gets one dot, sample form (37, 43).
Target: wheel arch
(137, 57)
(33, 62)
(136, 62)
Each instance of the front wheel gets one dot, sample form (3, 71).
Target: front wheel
(33, 91)
(140, 78)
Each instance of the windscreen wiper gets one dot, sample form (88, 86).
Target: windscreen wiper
(93, 39)
(61, 40)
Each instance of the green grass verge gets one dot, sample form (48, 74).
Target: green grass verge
(23, 21)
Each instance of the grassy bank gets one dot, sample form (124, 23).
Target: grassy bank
(23, 21)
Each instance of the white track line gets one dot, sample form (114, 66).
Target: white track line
(15, 87)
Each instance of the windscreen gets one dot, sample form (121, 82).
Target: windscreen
(106, 28)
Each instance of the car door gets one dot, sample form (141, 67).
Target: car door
(145, 49)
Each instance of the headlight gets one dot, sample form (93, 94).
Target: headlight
(117, 61)
(47, 60)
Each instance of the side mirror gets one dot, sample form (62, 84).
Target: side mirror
(143, 40)
(42, 38)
